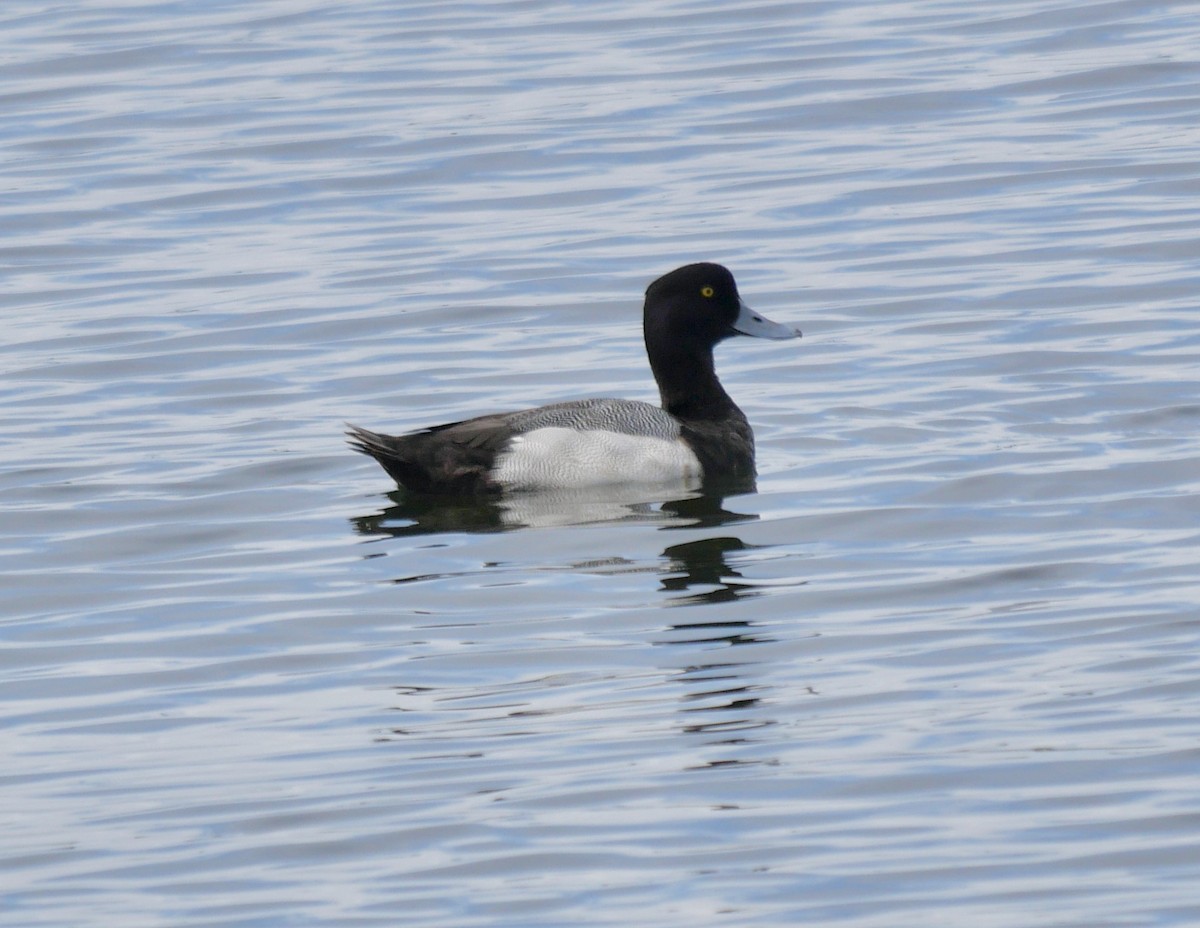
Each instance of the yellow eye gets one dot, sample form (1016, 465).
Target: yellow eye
(706, 291)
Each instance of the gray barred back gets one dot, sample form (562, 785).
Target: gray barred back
(626, 417)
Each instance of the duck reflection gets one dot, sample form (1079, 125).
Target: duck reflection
(673, 507)
(722, 703)
(719, 702)
(722, 694)
(705, 563)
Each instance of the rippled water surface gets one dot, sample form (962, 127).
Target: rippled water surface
(942, 669)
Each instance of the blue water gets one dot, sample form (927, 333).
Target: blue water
(941, 669)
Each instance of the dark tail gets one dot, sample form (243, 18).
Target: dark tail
(370, 443)
(389, 452)
(426, 463)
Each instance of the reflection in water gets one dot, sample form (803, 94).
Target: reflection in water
(674, 506)
(721, 703)
(423, 515)
(703, 563)
(718, 688)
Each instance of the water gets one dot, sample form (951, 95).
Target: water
(940, 669)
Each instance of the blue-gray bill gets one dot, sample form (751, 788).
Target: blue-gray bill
(749, 322)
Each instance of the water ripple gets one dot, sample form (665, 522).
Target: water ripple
(940, 668)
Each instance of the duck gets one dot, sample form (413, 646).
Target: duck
(697, 435)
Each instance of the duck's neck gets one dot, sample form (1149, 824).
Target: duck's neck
(698, 396)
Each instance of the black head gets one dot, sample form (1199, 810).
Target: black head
(696, 303)
(687, 312)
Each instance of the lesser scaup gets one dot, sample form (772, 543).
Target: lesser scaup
(698, 433)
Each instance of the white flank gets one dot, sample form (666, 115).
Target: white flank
(559, 458)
